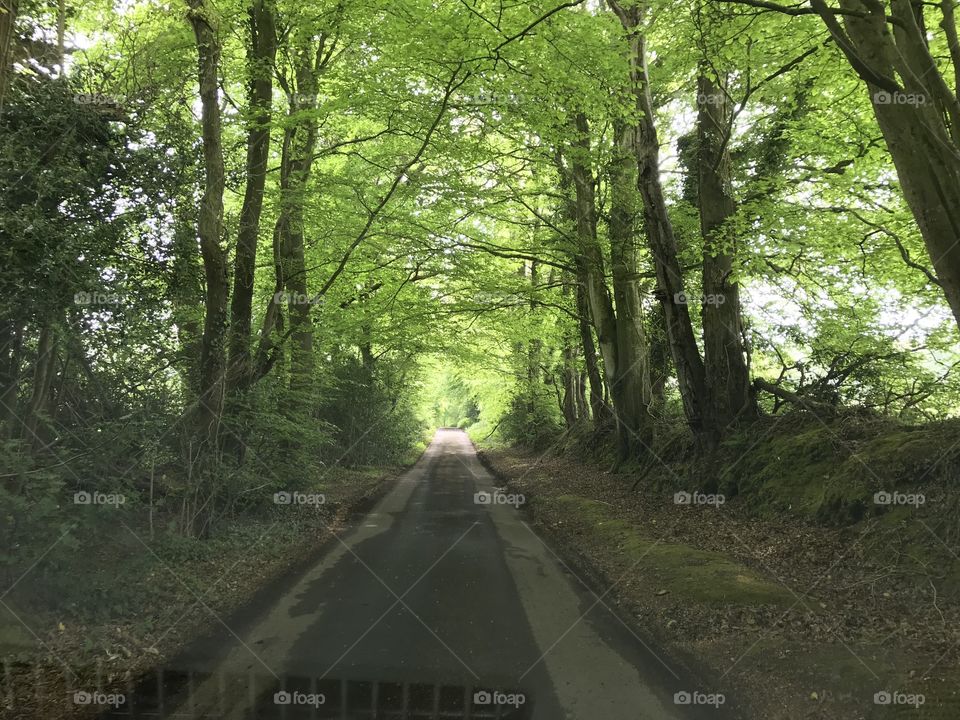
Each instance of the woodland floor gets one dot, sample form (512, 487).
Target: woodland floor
(792, 619)
(212, 579)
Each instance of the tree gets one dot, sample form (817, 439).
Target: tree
(658, 228)
(727, 375)
(261, 57)
(209, 407)
(917, 111)
(9, 10)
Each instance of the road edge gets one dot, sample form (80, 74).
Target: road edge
(599, 582)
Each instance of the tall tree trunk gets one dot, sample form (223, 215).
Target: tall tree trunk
(598, 408)
(296, 162)
(261, 55)
(11, 344)
(61, 36)
(727, 376)
(43, 373)
(583, 407)
(660, 361)
(590, 262)
(659, 230)
(9, 9)
(210, 231)
(594, 304)
(534, 344)
(569, 402)
(631, 386)
(186, 292)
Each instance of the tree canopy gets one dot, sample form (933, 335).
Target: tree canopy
(263, 233)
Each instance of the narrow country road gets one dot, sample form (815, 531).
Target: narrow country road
(433, 605)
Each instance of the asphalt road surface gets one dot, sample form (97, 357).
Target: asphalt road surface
(436, 604)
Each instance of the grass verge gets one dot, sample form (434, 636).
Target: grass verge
(791, 618)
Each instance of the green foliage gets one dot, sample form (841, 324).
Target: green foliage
(448, 400)
(530, 421)
(439, 253)
(371, 409)
(31, 498)
(57, 163)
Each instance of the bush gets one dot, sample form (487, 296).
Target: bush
(370, 412)
(531, 421)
